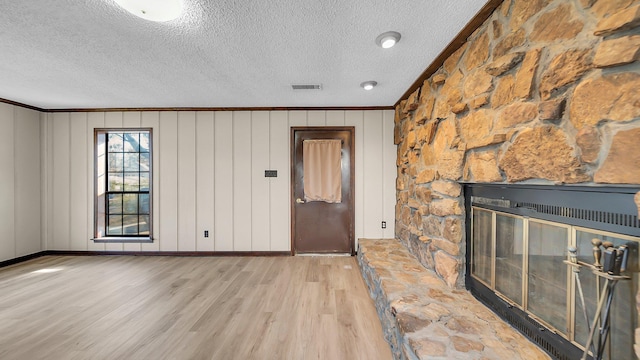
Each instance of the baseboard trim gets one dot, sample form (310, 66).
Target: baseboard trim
(20, 259)
(169, 253)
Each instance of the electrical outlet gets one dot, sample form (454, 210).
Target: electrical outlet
(384, 224)
(206, 233)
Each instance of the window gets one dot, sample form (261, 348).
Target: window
(123, 185)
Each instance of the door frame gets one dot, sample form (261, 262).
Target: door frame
(351, 204)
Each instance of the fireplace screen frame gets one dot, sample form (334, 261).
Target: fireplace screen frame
(570, 238)
(596, 210)
(523, 302)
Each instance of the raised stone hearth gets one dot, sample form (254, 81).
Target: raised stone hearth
(423, 318)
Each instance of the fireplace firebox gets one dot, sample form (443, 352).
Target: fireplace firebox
(518, 238)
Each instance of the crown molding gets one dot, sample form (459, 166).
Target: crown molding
(10, 102)
(264, 108)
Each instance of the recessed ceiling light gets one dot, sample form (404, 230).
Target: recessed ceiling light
(154, 10)
(368, 85)
(388, 39)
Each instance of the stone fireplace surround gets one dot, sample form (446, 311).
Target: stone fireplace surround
(543, 92)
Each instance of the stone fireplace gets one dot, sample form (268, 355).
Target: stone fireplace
(544, 92)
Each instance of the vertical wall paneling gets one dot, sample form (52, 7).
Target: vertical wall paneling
(279, 200)
(260, 197)
(60, 218)
(45, 182)
(131, 119)
(78, 181)
(388, 174)
(223, 181)
(335, 118)
(356, 119)
(297, 118)
(151, 119)
(205, 199)
(373, 188)
(168, 154)
(95, 120)
(7, 184)
(316, 118)
(20, 182)
(114, 120)
(242, 181)
(208, 174)
(27, 181)
(186, 181)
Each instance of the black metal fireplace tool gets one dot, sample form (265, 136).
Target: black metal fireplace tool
(615, 263)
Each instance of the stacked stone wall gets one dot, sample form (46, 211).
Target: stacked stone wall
(545, 92)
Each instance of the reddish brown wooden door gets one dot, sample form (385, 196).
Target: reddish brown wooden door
(317, 226)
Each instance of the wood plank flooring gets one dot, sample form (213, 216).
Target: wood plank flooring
(136, 307)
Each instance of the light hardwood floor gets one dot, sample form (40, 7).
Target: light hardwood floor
(135, 307)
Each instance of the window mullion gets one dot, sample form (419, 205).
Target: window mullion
(106, 183)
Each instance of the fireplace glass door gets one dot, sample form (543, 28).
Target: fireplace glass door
(483, 249)
(509, 257)
(547, 274)
(522, 260)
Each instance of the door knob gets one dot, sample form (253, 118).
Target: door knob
(299, 201)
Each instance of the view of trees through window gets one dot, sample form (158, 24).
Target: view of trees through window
(128, 178)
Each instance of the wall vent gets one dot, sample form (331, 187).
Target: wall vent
(307, 87)
(596, 216)
(627, 220)
(603, 208)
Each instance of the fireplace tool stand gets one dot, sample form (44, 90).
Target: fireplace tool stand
(615, 262)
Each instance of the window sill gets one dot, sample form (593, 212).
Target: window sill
(115, 239)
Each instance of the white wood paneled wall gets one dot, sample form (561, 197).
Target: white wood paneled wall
(20, 183)
(208, 174)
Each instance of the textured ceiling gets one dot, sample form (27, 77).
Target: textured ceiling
(57, 54)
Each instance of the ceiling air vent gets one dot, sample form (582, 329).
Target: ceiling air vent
(307, 87)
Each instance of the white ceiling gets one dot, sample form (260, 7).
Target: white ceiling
(57, 54)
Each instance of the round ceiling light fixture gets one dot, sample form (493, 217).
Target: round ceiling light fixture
(368, 85)
(388, 39)
(153, 10)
